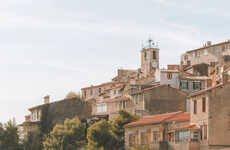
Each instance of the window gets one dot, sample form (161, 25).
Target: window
(145, 55)
(197, 54)
(194, 106)
(99, 90)
(189, 63)
(169, 75)
(118, 105)
(101, 108)
(123, 104)
(143, 138)
(212, 63)
(185, 57)
(154, 55)
(196, 85)
(182, 136)
(205, 132)
(115, 92)
(156, 136)
(184, 85)
(85, 93)
(204, 104)
(223, 48)
(195, 136)
(217, 70)
(136, 99)
(131, 140)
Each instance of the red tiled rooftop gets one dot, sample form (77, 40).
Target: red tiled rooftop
(160, 118)
(186, 126)
(180, 117)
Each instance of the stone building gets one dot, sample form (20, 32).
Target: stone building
(170, 131)
(108, 98)
(169, 77)
(57, 112)
(149, 58)
(191, 84)
(159, 99)
(210, 111)
(209, 54)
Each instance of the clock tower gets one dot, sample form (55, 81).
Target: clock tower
(149, 57)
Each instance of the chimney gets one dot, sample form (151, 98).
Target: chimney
(209, 43)
(47, 99)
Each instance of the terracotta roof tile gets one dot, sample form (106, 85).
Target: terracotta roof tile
(156, 119)
(180, 117)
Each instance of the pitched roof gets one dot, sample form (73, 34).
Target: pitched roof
(213, 45)
(97, 86)
(171, 71)
(168, 117)
(180, 117)
(197, 77)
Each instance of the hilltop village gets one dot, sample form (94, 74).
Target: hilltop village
(183, 107)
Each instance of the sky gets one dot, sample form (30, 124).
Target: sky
(52, 47)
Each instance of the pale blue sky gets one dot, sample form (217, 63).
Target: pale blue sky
(56, 46)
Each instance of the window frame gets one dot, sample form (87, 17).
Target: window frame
(154, 55)
(194, 106)
(145, 55)
(204, 104)
(169, 75)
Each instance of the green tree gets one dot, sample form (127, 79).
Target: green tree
(118, 127)
(109, 135)
(72, 95)
(45, 123)
(33, 141)
(69, 136)
(9, 139)
(100, 136)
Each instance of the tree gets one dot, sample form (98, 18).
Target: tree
(109, 135)
(71, 95)
(45, 123)
(9, 139)
(69, 136)
(118, 127)
(33, 141)
(99, 135)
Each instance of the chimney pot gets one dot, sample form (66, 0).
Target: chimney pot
(47, 99)
(209, 43)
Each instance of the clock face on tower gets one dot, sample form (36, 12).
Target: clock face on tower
(154, 64)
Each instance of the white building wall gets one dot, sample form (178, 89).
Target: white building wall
(173, 82)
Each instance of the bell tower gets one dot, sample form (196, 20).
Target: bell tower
(149, 57)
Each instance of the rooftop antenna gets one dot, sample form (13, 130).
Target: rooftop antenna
(157, 44)
(150, 41)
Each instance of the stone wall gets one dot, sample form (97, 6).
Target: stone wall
(164, 99)
(69, 108)
(219, 117)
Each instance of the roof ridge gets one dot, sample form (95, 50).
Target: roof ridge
(170, 117)
(162, 114)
